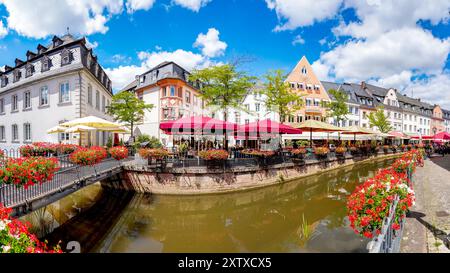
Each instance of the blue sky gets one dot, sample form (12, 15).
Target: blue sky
(393, 43)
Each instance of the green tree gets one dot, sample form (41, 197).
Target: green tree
(337, 108)
(278, 95)
(380, 120)
(223, 87)
(127, 108)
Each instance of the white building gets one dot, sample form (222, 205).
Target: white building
(173, 96)
(353, 118)
(58, 83)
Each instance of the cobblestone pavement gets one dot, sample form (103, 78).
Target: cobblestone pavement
(427, 227)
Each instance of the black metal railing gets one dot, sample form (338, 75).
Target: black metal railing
(389, 239)
(67, 175)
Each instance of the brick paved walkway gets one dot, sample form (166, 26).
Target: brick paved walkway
(428, 226)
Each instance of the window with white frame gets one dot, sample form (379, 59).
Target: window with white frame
(89, 95)
(15, 102)
(2, 106)
(2, 133)
(43, 96)
(14, 132)
(27, 132)
(27, 100)
(64, 92)
(103, 104)
(257, 107)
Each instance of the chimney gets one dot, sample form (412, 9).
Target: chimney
(363, 85)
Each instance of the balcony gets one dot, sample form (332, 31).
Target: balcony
(313, 109)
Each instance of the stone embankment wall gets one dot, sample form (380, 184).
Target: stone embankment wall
(202, 180)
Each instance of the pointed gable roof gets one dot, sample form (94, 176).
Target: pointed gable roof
(304, 73)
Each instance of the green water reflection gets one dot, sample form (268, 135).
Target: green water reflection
(304, 216)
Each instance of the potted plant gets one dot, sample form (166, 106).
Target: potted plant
(321, 152)
(340, 151)
(299, 153)
(394, 148)
(118, 152)
(149, 154)
(409, 147)
(385, 149)
(353, 150)
(261, 156)
(214, 157)
(28, 171)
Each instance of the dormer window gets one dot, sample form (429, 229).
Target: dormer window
(17, 75)
(29, 70)
(56, 41)
(4, 81)
(45, 64)
(30, 55)
(41, 49)
(66, 57)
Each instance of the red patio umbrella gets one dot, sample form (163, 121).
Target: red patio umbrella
(268, 126)
(442, 135)
(197, 124)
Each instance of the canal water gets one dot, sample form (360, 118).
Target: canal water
(308, 215)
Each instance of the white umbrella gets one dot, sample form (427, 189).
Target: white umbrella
(79, 128)
(92, 121)
(56, 129)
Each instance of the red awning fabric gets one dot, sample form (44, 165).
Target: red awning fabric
(442, 135)
(267, 126)
(423, 137)
(196, 125)
(397, 134)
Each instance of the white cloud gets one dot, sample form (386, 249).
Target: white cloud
(193, 5)
(90, 44)
(122, 75)
(119, 58)
(434, 89)
(388, 54)
(134, 5)
(298, 40)
(377, 16)
(388, 47)
(210, 43)
(295, 13)
(322, 71)
(186, 59)
(3, 30)
(38, 19)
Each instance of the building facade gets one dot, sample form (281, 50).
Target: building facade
(173, 96)
(56, 83)
(353, 117)
(303, 81)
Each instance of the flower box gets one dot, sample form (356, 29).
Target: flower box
(118, 152)
(88, 157)
(28, 171)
